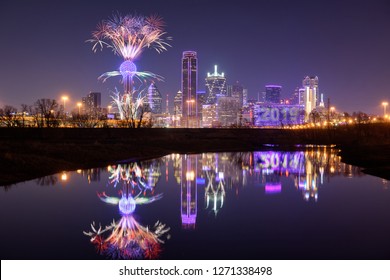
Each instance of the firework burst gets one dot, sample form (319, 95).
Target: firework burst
(128, 36)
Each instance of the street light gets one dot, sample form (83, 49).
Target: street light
(64, 98)
(384, 104)
(109, 108)
(79, 105)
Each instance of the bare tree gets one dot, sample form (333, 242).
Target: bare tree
(8, 116)
(47, 112)
(24, 111)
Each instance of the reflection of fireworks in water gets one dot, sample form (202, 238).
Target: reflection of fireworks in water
(128, 239)
(129, 174)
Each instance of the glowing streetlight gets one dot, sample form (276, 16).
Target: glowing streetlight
(79, 104)
(64, 177)
(64, 98)
(109, 108)
(384, 104)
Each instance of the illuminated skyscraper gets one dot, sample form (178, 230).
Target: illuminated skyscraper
(92, 103)
(189, 83)
(244, 97)
(215, 85)
(178, 108)
(311, 94)
(154, 100)
(272, 94)
(209, 115)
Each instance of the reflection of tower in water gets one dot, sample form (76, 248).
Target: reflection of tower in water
(316, 163)
(310, 183)
(189, 191)
(215, 190)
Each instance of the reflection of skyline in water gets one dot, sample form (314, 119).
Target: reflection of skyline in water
(294, 204)
(218, 173)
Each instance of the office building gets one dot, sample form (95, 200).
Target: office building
(215, 85)
(92, 103)
(311, 94)
(272, 94)
(189, 83)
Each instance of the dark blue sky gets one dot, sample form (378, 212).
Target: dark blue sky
(43, 52)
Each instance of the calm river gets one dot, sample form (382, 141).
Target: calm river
(249, 205)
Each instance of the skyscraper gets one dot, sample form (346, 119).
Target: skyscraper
(92, 103)
(227, 110)
(154, 99)
(189, 81)
(177, 108)
(272, 94)
(311, 94)
(244, 97)
(215, 84)
(237, 91)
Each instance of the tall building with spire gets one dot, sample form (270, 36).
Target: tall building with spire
(311, 94)
(153, 99)
(177, 109)
(215, 85)
(189, 81)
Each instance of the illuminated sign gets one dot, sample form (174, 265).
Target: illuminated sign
(278, 114)
(293, 162)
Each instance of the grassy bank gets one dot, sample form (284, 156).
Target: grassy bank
(29, 153)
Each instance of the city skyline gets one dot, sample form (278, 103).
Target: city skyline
(258, 43)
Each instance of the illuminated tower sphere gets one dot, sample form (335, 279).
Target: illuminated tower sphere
(189, 84)
(215, 85)
(126, 205)
(311, 94)
(128, 70)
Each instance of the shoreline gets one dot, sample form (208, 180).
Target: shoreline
(26, 154)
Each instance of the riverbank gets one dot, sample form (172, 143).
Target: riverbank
(28, 153)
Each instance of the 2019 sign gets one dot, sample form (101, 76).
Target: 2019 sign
(276, 115)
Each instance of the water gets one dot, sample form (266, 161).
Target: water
(250, 205)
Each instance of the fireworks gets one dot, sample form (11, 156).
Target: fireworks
(128, 36)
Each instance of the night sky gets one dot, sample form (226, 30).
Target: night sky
(43, 53)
